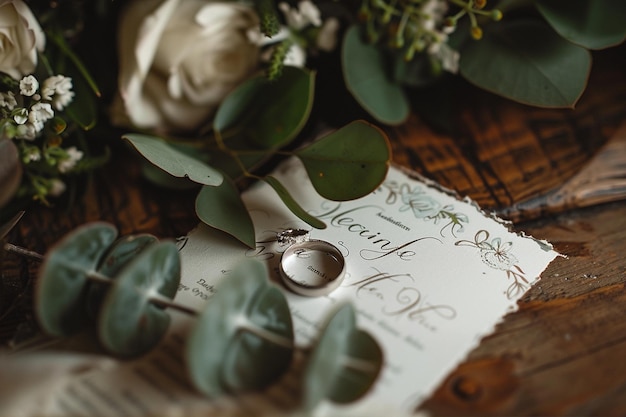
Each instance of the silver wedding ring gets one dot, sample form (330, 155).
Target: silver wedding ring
(311, 267)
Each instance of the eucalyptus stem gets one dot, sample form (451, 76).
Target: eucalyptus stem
(268, 335)
(359, 364)
(95, 276)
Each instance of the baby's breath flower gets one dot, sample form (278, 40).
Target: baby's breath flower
(39, 114)
(57, 187)
(20, 116)
(29, 86)
(31, 153)
(58, 90)
(306, 14)
(27, 131)
(73, 156)
(327, 37)
(8, 100)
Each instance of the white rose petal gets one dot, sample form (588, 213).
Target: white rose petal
(179, 59)
(21, 38)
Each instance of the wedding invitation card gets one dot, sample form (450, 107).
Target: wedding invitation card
(429, 275)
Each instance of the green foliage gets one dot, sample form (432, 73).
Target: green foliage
(365, 71)
(344, 364)
(588, 23)
(267, 114)
(527, 61)
(173, 161)
(270, 24)
(249, 129)
(243, 340)
(534, 52)
(129, 322)
(118, 255)
(221, 208)
(348, 163)
(63, 277)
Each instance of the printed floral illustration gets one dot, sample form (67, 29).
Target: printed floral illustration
(424, 206)
(497, 254)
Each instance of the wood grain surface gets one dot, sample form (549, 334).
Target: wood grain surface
(561, 353)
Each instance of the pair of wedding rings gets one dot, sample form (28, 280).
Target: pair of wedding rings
(309, 267)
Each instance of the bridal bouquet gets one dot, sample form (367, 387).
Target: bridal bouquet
(208, 91)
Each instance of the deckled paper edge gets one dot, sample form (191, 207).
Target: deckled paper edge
(543, 244)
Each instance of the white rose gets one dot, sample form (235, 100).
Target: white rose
(21, 38)
(179, 59)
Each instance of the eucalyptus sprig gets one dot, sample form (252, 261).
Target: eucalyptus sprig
(536, 52)
(248, 129)
(243, 339)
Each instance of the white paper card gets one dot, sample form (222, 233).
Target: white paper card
(429, 274)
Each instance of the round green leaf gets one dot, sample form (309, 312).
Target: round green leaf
(344, 364)
(119, 254)
(63, 277)
(221, 207)
(365, 70)
(130, 323)
(10, 170)
(360, 371)
(243, 340)
(526, 61)
(267, 114)
(173, 161)
(590, 23)
(348, 163)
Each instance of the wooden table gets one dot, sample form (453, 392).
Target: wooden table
(561, 353)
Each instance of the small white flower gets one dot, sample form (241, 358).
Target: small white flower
(29, 86)
(21, 116)
(27, 131)
(449, 58)
(295, 57)
(327, 37)
(306, 14)
(57, 187)
(40, 113)
(58, 89)
(8, 100)
(73, 156)
(33, 154)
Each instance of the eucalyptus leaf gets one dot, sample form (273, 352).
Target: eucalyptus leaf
(222, 208)
(173, 161)
(348, 163)
(63, 277)
(360, 371)
(344, 364)
(130, 322)
(367, 76)
(243, 340)
(592, 24)
(267, 114)
(118, 255)
(295, 208)
(526, 61)
(10, 170)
